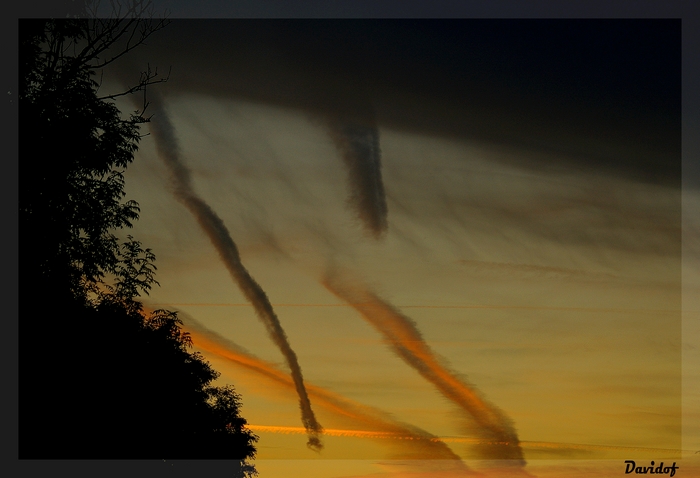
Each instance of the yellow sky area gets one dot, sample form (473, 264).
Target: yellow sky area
(691, 321)
(556, 293)
(376, 425)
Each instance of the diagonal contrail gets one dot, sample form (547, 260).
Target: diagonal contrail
(500, 438)
(168, 149)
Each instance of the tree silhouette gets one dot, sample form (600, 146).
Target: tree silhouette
(77, 146)
(99, 377)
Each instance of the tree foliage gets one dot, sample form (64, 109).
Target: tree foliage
(77, 147)
(99, 377)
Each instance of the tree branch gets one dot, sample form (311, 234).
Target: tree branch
(147, 79)
(146, 32)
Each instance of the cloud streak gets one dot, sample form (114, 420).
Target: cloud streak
(358, 144)
(500, 440)
(168, 149)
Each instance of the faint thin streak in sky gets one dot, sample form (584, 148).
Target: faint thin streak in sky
(455, 439)
(519, 307)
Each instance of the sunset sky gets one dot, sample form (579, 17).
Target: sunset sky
(467, 230)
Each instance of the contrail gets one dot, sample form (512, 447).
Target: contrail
(379, 424)
(358, 144)
(497, 431)
(168, 149)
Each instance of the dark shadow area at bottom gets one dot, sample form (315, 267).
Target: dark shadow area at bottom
(130, 468)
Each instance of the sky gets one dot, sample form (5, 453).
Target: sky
(427, 248)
